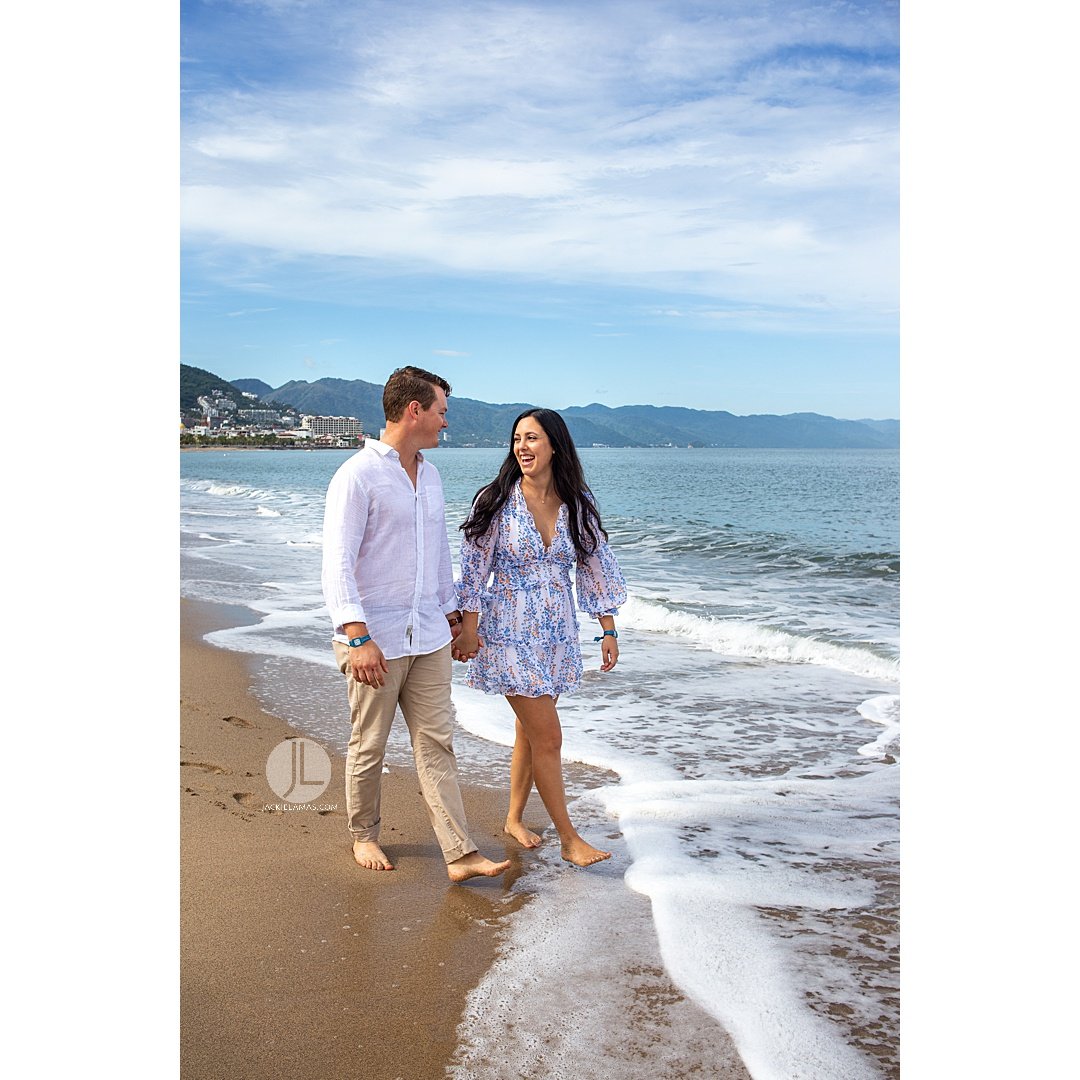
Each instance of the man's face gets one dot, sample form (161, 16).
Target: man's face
(433, 420)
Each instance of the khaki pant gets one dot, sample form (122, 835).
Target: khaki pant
(421, 686)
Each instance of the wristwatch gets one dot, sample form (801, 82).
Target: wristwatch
(356, 642)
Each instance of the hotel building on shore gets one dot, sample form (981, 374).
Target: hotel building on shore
(331, 425)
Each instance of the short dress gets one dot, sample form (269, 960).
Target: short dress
(528, 622)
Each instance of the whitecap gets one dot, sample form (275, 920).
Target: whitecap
(756, 641)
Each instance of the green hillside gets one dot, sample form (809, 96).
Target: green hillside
(195, 382)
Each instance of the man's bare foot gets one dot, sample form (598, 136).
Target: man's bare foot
(370, 856)
(581, 853)
(525, 837)
(475, 865)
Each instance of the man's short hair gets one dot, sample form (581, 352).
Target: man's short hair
(410, 384)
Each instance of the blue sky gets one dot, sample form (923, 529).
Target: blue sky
(561, 202)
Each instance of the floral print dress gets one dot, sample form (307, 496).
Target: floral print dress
(528, 622)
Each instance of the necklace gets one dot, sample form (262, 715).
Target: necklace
(541, 498)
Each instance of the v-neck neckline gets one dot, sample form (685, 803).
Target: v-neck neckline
(555, 532)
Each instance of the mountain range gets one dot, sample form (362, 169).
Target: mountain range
(481, 423)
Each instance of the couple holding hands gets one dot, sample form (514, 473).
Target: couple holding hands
(400, 621)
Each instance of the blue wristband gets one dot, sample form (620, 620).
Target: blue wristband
(607, 633)
(356, 642)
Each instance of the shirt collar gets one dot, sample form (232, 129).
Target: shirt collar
(385, 449)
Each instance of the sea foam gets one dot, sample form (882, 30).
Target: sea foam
(710, 855)
(757, 642)
(582, 997)
(885, 710)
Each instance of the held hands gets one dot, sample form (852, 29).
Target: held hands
(466, 645)
(368, 665)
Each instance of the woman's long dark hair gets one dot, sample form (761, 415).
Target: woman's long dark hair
(586, 530)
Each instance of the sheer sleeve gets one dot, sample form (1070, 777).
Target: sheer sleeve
(601, 588)
(477, 559)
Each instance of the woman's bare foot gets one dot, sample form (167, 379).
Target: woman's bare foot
(525, 837)
(581, 853)
(475, 865)
(370, 856)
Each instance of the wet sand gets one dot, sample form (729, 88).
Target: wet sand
(294, 961)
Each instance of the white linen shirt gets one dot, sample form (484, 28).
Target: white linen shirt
(386, 558)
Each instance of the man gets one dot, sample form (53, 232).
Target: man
(388, 583)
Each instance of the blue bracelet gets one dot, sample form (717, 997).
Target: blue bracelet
(356, 642)
(607, 633)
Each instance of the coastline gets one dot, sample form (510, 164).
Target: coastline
(294, 961)
(283, 446)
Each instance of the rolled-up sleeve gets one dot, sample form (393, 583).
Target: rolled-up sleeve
(344, 522)
(477, 558)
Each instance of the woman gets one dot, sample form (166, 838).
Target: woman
(527, 528)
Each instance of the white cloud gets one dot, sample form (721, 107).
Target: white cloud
(729, 152)
(241, 147)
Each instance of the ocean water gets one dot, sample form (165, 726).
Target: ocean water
(750, 736)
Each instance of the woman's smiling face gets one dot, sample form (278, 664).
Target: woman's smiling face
(532, 447)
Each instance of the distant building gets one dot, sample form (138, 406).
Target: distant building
(341, 442)
(217, 403)
(331, 425)
(263, 416)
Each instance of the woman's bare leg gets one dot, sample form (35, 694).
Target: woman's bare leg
(521, 785)
(538, 722)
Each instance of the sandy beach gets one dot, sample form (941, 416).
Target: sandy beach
(295, 962)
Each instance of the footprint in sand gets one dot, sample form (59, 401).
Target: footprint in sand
(206, 766)
(247, 800)
(237, 721)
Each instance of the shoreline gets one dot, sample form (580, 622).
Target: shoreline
(283, 446)
(293, 960)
